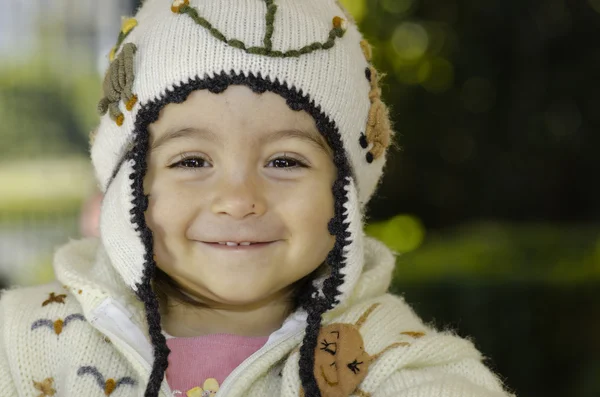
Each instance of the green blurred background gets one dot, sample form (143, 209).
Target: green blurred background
(492, 201)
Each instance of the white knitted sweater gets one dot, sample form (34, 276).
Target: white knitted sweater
(89, 339)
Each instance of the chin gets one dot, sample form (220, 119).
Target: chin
(239, 296)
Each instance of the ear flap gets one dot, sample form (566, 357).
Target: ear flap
(351, 263)
(118, 232)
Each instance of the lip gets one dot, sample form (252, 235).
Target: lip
(239, 248)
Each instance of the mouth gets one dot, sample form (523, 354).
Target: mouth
(242, 246)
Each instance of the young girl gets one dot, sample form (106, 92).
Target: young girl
(239, 144)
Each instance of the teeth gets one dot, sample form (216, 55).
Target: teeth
(233, 244)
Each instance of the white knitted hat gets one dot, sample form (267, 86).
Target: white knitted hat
(308, 52)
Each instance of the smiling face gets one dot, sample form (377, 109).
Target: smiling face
(238, 167)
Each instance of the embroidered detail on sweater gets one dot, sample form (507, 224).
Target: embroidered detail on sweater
(109, 385)
(56, 325)
(341, 362)
(379, 130)
(208, 389)
(45, 387)
(118, 85)
(413, 334)
(53, 298)
(338, 30)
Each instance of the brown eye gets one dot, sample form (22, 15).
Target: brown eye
(190, 162)
(284, 163)
(288, 163)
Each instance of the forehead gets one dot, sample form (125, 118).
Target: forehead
(236, 113)
(238, 107)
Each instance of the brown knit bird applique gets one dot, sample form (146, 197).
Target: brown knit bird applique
(341, 362)
(378, 135)
(57, 325)
(53, 298)
(45, 387)
(107, 385)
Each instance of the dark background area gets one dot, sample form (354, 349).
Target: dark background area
(516, 135)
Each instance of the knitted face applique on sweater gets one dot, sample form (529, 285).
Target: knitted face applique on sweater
(341, 362)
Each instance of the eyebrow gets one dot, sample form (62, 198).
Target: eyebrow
(311, 137)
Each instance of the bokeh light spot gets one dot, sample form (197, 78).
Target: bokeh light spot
(402, 233)
(439, 75)
(356, 8)
(397, 6)
(410, 41)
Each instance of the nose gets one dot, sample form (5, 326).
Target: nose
(238, 198)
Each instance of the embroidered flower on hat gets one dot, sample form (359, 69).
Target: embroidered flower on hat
(340, 23)
(178, 5)
(208, 389)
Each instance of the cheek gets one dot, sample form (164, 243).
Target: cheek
(307, 214)
(309, 211)
(167, 213)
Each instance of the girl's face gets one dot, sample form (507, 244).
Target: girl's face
(238, 167)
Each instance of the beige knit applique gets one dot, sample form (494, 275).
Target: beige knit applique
(208, 389)
(45, 387)
(341, 362)
(53, 298)
(118, 85)
(378, 136)
(338, 29)
(57, 325)
(109, 385)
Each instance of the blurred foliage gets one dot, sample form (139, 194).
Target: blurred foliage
(46, 115)
(44, 110)
(44, 186)
(507, 253)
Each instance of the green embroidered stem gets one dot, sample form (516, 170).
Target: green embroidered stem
(334, 33)
(270, 21)
(122, 36)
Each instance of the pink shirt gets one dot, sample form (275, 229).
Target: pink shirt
(194, 360)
